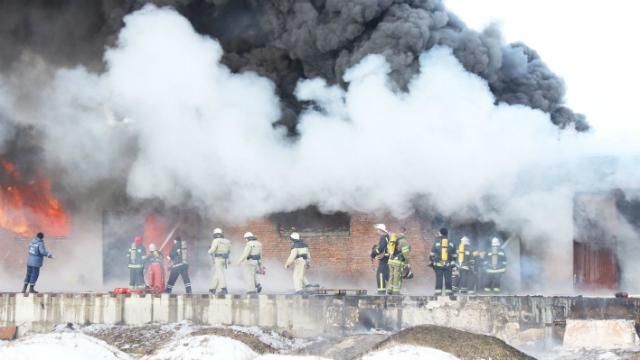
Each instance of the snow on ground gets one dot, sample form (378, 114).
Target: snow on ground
(561, 353)
(54, 346)
(409, 352)
(274, 339)
(204, 347)
(78, 346)
(289, 357)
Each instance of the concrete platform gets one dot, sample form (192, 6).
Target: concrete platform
(512, 318)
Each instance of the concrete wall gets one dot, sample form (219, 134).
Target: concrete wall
(507, 317)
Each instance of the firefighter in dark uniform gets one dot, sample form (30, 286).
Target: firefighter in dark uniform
(37, 252)
(380, 252)
(442, 259)
(465, 261)
(495, 265)
(477, 279)
(179, 266)
(136, 255)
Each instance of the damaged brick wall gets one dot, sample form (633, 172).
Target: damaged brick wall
(346, 253)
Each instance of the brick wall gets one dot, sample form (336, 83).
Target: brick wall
(346, 255)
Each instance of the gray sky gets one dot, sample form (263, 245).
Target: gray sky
(591, 44)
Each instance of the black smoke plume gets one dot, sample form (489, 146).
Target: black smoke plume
(288, 40)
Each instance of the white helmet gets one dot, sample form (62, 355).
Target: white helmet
(294, 236)
(152, 247)
(217, 231)
(248, 235)
(465, 240)
(495, 242)
(380, 227)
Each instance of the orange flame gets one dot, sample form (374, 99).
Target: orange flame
(26, 208)
(156, 230)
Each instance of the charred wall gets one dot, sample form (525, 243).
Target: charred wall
(606, 240)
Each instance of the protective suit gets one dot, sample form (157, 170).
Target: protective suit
(465, 262)
(136, 255)
(379, 252)
(398, 249)
(155, 270)
(300, 258)
(219, 252)
(442, 257)
(250, 259)
(495, 265)
(179, 265)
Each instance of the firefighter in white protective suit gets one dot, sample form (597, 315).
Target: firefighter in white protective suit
(250, 258)
(219, 252)
(300, 258)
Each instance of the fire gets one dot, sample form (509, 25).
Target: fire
(29, 207)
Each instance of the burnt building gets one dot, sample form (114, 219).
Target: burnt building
(606, 243)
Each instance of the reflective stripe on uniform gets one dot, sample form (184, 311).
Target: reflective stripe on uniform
(495, 271)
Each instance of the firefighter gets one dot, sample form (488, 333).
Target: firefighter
(251, 258)
(178, 265)
(219, 252)
(155, 270)
(442, 259)
(136, 255)
(495, 264)
(455, 276)
(379, 252)
(476, 280)
(37, 252)
(398, 249)
(465, 261)
(300, 258)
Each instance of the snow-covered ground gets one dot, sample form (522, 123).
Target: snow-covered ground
(188, 341)
(288, 357)
(76, 345)
(68, 346)
(204, 347)
(272, 338)
(409, 352)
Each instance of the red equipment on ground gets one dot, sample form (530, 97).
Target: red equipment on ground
(127, 291)
(120, 291)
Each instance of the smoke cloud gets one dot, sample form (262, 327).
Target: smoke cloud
(289, 40)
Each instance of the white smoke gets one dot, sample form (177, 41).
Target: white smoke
(204, 137)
